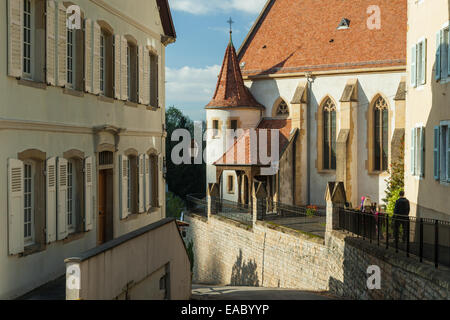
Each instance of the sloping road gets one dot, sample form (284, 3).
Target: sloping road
(205, 292)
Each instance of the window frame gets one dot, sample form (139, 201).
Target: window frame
(380, 145)
(102, 63)
(329, 143)
(31, 45)
(230, 184)
(419, 63)
(71, 58)
(444, 152)
(418, 151)
(72, 185)
(29, 240)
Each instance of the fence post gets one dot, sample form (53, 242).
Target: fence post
(213, 195)
(436, 244)
(421, 240)
(259, 196)
(335, 198)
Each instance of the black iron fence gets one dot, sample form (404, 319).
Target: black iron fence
(307, 219)
(424, 239)
(232, 210)
(198, 204)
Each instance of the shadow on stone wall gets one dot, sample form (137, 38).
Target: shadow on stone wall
(244, 274)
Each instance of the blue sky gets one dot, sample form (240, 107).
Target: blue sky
(193, 61)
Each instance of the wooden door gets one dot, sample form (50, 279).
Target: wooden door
(102, 207)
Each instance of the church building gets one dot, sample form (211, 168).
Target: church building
(331, 78)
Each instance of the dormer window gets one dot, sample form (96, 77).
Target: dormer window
(345, 24)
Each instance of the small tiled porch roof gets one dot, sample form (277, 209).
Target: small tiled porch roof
(241, 153)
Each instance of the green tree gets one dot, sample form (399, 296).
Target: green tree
(182, 179)
(395, 181)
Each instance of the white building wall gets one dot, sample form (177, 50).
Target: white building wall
(268, 91)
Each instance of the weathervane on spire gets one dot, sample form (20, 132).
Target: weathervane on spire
(230, 22)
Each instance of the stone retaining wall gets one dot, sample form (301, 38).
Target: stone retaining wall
(266, 255)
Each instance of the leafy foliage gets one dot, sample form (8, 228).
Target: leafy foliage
(190, 252)
(174, 205)
(396, 181)
(182, 179)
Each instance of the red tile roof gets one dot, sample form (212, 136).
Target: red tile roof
(298, 36)
(241, 152)
(230, 89)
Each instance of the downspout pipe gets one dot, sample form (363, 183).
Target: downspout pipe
(310, 79)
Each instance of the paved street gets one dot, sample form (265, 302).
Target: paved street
(205, 292)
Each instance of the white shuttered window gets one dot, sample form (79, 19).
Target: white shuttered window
(16, 213)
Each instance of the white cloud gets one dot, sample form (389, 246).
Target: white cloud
(212, 6)
(189, 85)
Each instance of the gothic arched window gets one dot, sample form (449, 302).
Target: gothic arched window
(282, 109)
(381, 134)
(329, 135)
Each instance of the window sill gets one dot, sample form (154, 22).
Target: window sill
(32, 249)
(378, 173)
(153, 210)
(151, 108)
(132, 216)
(73, 237)
(326, 171)
(73, 92)
(32, 84)
(131, 104)
(106, 99)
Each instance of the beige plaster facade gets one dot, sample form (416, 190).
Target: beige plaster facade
(64, 123)
(427, 106)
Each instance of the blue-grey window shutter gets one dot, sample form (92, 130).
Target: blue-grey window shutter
(437, 142)
(413, 153)
(422, 151)
(438, 56)
(414, 66)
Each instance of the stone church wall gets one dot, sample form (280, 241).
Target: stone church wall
(227, 253)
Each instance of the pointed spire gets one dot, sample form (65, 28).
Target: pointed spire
(230, 21)
(231, 90)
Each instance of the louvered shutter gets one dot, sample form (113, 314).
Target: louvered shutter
(15, 207)
(123, 174)
(443, 54)
(141, 183)
(62, 45)
(51, 42)
(448, 154)
(447, 49)
(413, 66)
(436, 155)
(422, 151)
(62, 199)
(438, 56)
(117, 66)
(88, 55)
(148, 188)
(423, 75)
(88, 193)
(157, 82)
(15, 38)
(124, 69)
(146, 85)
(51, 200)
(413, 153)
(141, 74)
(96, 66)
